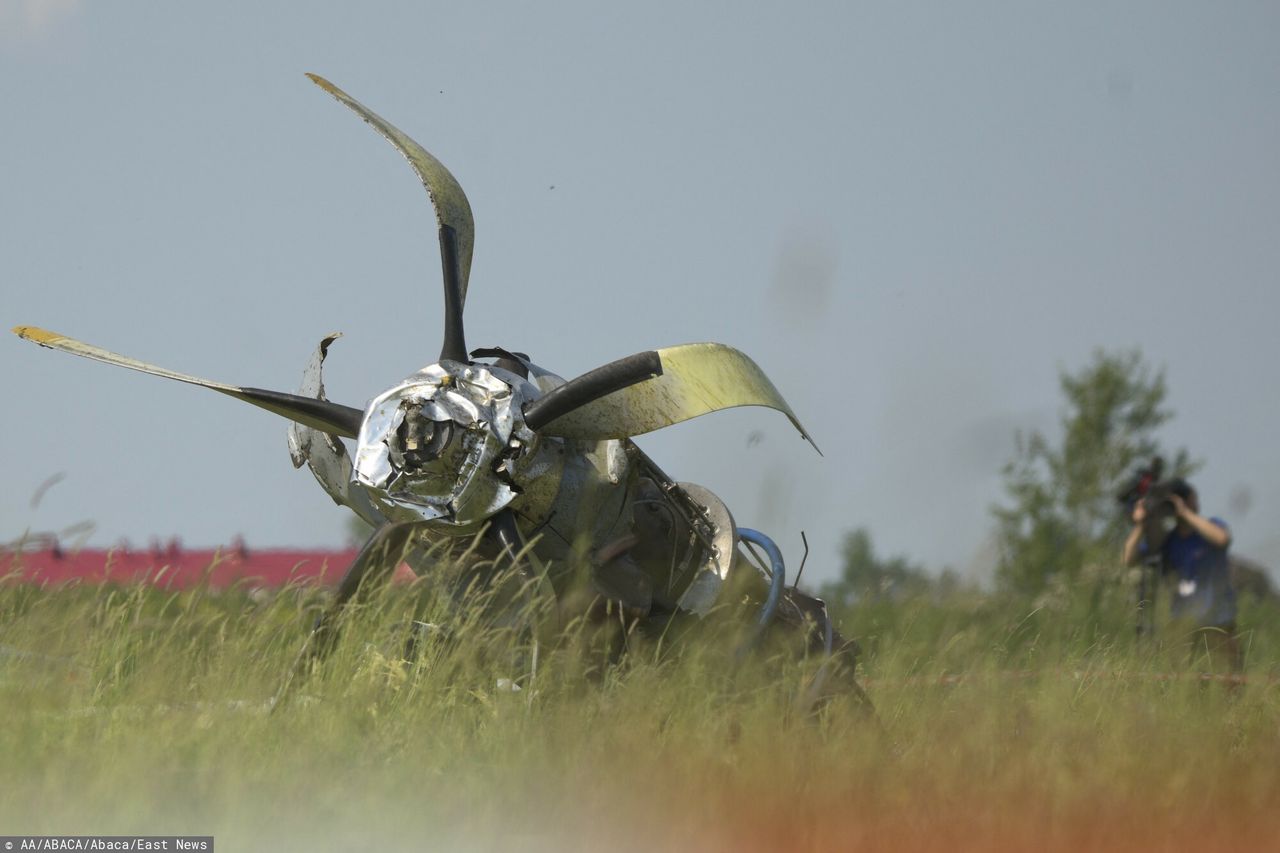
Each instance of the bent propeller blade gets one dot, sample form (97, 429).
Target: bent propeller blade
(453, 216)
(656, 389)
(321, 414)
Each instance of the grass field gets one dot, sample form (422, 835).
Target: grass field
(132, 711)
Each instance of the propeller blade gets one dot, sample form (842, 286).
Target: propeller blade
(591, 386)
(383, 551)
(504, 530)
(649, 391)
(453, 214)
(321, 414)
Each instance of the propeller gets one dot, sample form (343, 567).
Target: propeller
(321, 414)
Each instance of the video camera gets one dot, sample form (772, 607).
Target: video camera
(1156, 496)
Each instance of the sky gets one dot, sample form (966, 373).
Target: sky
(912, 216)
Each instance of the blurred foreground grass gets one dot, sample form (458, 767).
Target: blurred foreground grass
(135, 711)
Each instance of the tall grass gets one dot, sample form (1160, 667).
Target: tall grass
(135, 711)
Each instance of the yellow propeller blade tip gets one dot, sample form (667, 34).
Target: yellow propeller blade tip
(323, 83)
(36, 334)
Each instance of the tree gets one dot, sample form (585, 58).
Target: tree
(1063, 512)
(865, 576)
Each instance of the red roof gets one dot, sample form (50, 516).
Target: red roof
(172, 566)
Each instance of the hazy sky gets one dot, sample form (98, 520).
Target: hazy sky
(911, 215)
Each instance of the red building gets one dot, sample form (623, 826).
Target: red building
(172, 566)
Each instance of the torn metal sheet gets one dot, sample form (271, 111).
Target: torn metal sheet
(323, 452)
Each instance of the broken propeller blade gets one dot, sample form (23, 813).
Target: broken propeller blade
(323, 415)
(453, 217)
(381, 554)
(652, 390)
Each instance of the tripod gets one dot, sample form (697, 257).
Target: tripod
(1148, 578)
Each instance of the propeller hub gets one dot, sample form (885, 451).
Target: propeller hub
(447, 445)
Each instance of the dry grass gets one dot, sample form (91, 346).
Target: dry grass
(142, 712)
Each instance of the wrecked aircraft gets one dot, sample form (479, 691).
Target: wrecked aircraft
(485, 443)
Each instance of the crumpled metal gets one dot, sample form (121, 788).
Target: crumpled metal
(476, 472)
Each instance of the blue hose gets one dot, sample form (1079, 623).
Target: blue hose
(777, 580)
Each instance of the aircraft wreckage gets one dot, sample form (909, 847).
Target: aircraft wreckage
(542, 472)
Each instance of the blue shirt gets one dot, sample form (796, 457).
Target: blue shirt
(1201, 578)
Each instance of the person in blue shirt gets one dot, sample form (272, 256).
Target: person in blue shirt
(1194, 559)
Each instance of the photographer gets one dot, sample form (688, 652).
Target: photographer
(1194, 555)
